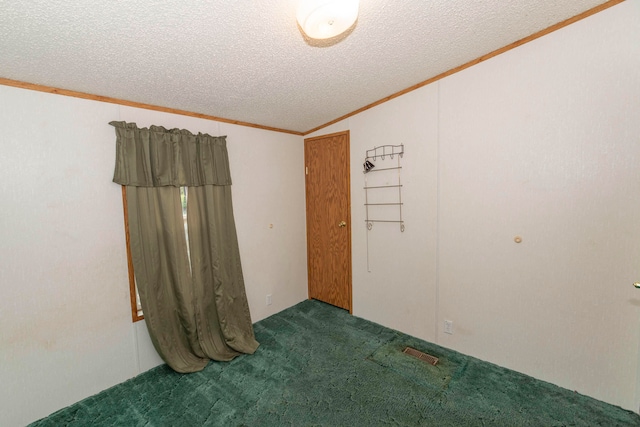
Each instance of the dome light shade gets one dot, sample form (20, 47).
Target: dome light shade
(324, 19)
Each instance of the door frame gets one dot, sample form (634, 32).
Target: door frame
(347, 168)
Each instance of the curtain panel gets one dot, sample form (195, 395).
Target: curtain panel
(194, 302)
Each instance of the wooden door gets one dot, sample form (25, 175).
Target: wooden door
(329, 218)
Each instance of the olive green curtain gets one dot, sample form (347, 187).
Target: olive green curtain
(157, 157)
(198, 310)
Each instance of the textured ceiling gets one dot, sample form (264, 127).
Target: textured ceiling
(247, 60)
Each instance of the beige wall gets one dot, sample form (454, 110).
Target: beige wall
(65, 323)
(399, 287)
(540, 142)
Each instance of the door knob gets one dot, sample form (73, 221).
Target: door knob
(637, 284)
(344, 224)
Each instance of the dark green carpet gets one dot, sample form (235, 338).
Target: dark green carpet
(319, 366)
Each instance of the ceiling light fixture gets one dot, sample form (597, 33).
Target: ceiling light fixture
(324, 19)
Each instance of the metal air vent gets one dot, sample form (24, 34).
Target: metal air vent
(432, 360)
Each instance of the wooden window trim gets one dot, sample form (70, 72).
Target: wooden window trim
(135, 317)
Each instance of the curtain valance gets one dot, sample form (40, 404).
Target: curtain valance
(157, 157)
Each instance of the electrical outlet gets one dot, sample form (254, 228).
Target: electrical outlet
(448, 327)
(268, 299)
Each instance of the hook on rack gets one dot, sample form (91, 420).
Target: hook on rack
(383, 151)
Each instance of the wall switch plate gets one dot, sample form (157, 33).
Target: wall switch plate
(448, 327)
(268, 299)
